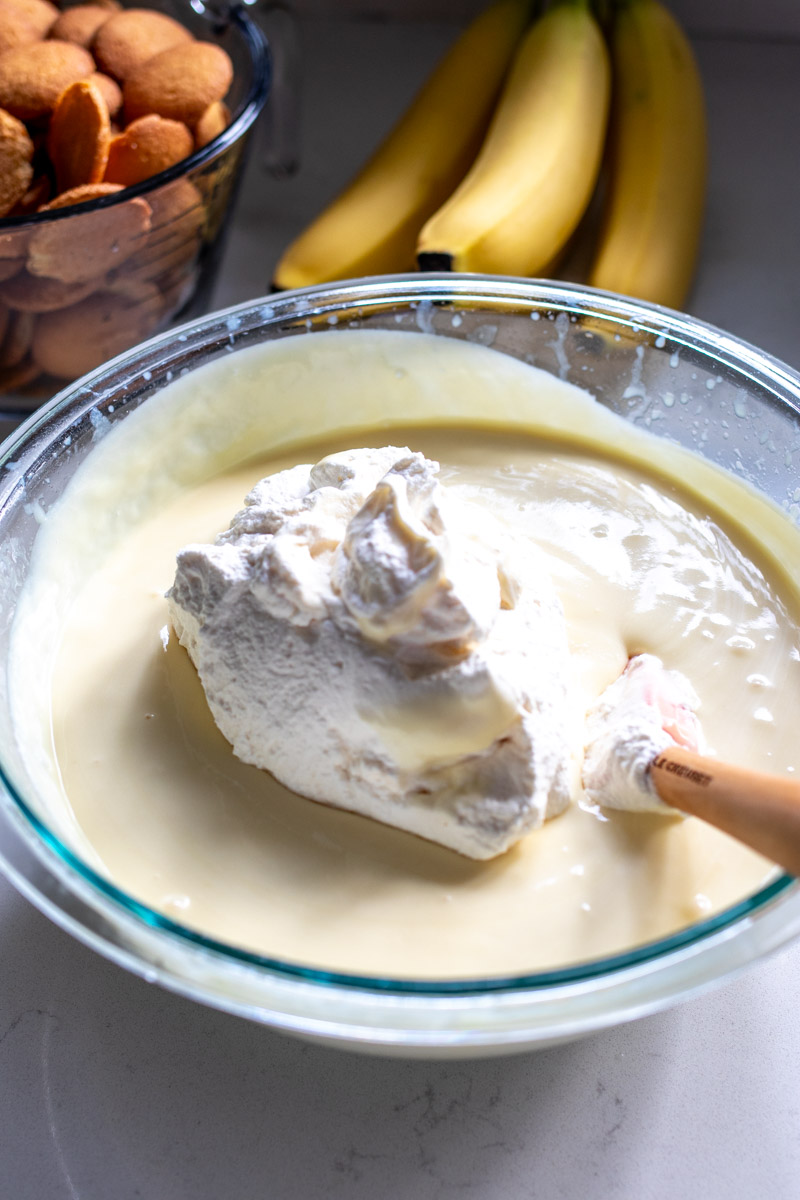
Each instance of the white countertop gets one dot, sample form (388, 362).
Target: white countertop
(111, 1089)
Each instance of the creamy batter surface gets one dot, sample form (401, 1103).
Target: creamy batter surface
(219, 846)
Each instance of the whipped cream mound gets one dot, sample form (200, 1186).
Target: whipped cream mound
(381, 645)
(638, 716)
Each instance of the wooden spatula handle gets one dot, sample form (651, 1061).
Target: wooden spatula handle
(761, 810)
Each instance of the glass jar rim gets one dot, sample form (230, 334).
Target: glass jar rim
(257, 95)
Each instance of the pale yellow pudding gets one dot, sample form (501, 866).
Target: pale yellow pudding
(137, 776)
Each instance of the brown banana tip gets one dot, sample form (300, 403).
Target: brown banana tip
(434, 261)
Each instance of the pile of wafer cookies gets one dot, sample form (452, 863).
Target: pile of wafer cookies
(93, 100)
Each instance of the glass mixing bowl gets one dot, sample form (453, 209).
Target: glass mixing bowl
(679, 378)
(110, 284)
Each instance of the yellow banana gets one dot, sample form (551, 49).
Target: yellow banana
(656, 188)
(372, 226)
(537, 169)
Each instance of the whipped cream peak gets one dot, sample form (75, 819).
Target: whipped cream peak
(409, 578)
(360, 631)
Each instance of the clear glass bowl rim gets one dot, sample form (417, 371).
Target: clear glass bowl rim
(256, 44)
(93, 892)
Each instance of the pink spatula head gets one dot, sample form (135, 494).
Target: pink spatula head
(643, 754)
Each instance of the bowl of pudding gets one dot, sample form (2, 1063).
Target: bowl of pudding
(314, 820)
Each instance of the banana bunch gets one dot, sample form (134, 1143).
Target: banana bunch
(501, 184)
(656, 182)
(372, 227)
(536, 170)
